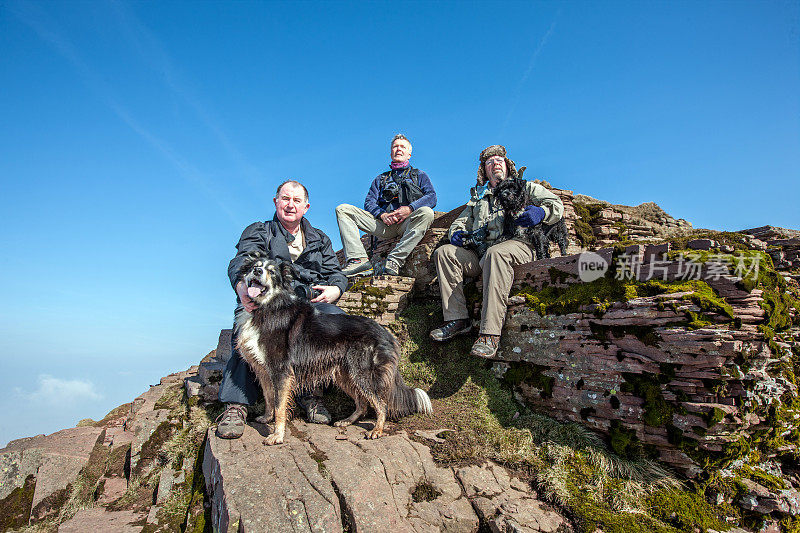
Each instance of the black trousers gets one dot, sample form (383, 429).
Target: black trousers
(239, 383)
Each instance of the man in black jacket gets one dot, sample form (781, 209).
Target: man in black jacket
(287, 237)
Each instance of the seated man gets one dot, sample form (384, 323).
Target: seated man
(482, 219)
(400, 201)
(287, 237)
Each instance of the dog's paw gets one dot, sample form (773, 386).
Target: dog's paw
(374, 434)
(273, 439)
(342, 423)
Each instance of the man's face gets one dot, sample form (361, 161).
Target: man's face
(496, 169)
(400, 151)
(291, 204)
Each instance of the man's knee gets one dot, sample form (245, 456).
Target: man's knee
(424, 214)
(493, 253)
(444, 253)
(497, 257)
(343, 210)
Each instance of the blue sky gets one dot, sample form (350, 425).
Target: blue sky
(137, 140)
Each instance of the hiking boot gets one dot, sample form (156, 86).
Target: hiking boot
(315, 411)
(357, 266)
(450, 329)
(230, 424)
(388, 268)
(486, 346)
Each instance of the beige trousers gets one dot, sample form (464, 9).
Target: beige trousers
(454, 263)
(351, 219)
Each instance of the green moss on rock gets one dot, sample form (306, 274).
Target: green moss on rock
(530, 374)
(685, 511)
(657, 410)
(15, 509)
(151, 449)
(623, 440)
(713, 417)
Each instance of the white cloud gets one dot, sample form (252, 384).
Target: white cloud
(58, 391)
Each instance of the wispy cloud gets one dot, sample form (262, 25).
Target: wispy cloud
(155, 54)
(47, 29)
(518, 90)
(55, 391)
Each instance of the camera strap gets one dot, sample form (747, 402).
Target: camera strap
(407, 183)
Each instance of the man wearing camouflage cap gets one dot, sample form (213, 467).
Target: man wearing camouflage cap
(482, 220)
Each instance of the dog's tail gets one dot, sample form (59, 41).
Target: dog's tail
(406, 401)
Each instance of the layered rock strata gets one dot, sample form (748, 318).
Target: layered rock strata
(609, 223)
(640, 372)
(381, 298)
(76, 478)
(782, 245)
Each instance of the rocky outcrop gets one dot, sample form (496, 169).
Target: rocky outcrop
(505, 503)
(609, 223)
(332, 479)
(381, 298)
(698, 375)
(78, 479)
(682, 370)
(53, 461)
(782, 245)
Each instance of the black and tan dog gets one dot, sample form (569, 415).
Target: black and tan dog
(289, 344)
(511, 196)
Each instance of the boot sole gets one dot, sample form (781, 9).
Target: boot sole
(456, 334)
(365, 272)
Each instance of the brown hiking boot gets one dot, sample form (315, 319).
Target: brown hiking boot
(315, 410)
(360, 266)
(486, 346)
(230, 424)
(450, 329)
(388, 268)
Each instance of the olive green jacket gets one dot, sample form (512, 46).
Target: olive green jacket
(486, 212)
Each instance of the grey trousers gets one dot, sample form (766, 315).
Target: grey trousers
(351, 219)
(239, 383)
(454, 263)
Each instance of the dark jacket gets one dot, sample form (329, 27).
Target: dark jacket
(376, 206)
(317, 265)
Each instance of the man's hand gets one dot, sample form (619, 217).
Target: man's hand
(329, 294)
(401, 213)
(248, 304)
(458, 238)
(388, 218)
(532, 215)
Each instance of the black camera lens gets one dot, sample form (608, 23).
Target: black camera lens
(390, 192)
(303, 291)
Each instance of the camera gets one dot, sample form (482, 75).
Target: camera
(476, 240)
(304, 292)
(468, 239)
(390, 191)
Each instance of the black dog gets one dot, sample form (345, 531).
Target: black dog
(511, 196)
(289, 344)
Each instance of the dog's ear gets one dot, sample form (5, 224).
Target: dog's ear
(253, 256)
(247, 264)
(288, 272)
